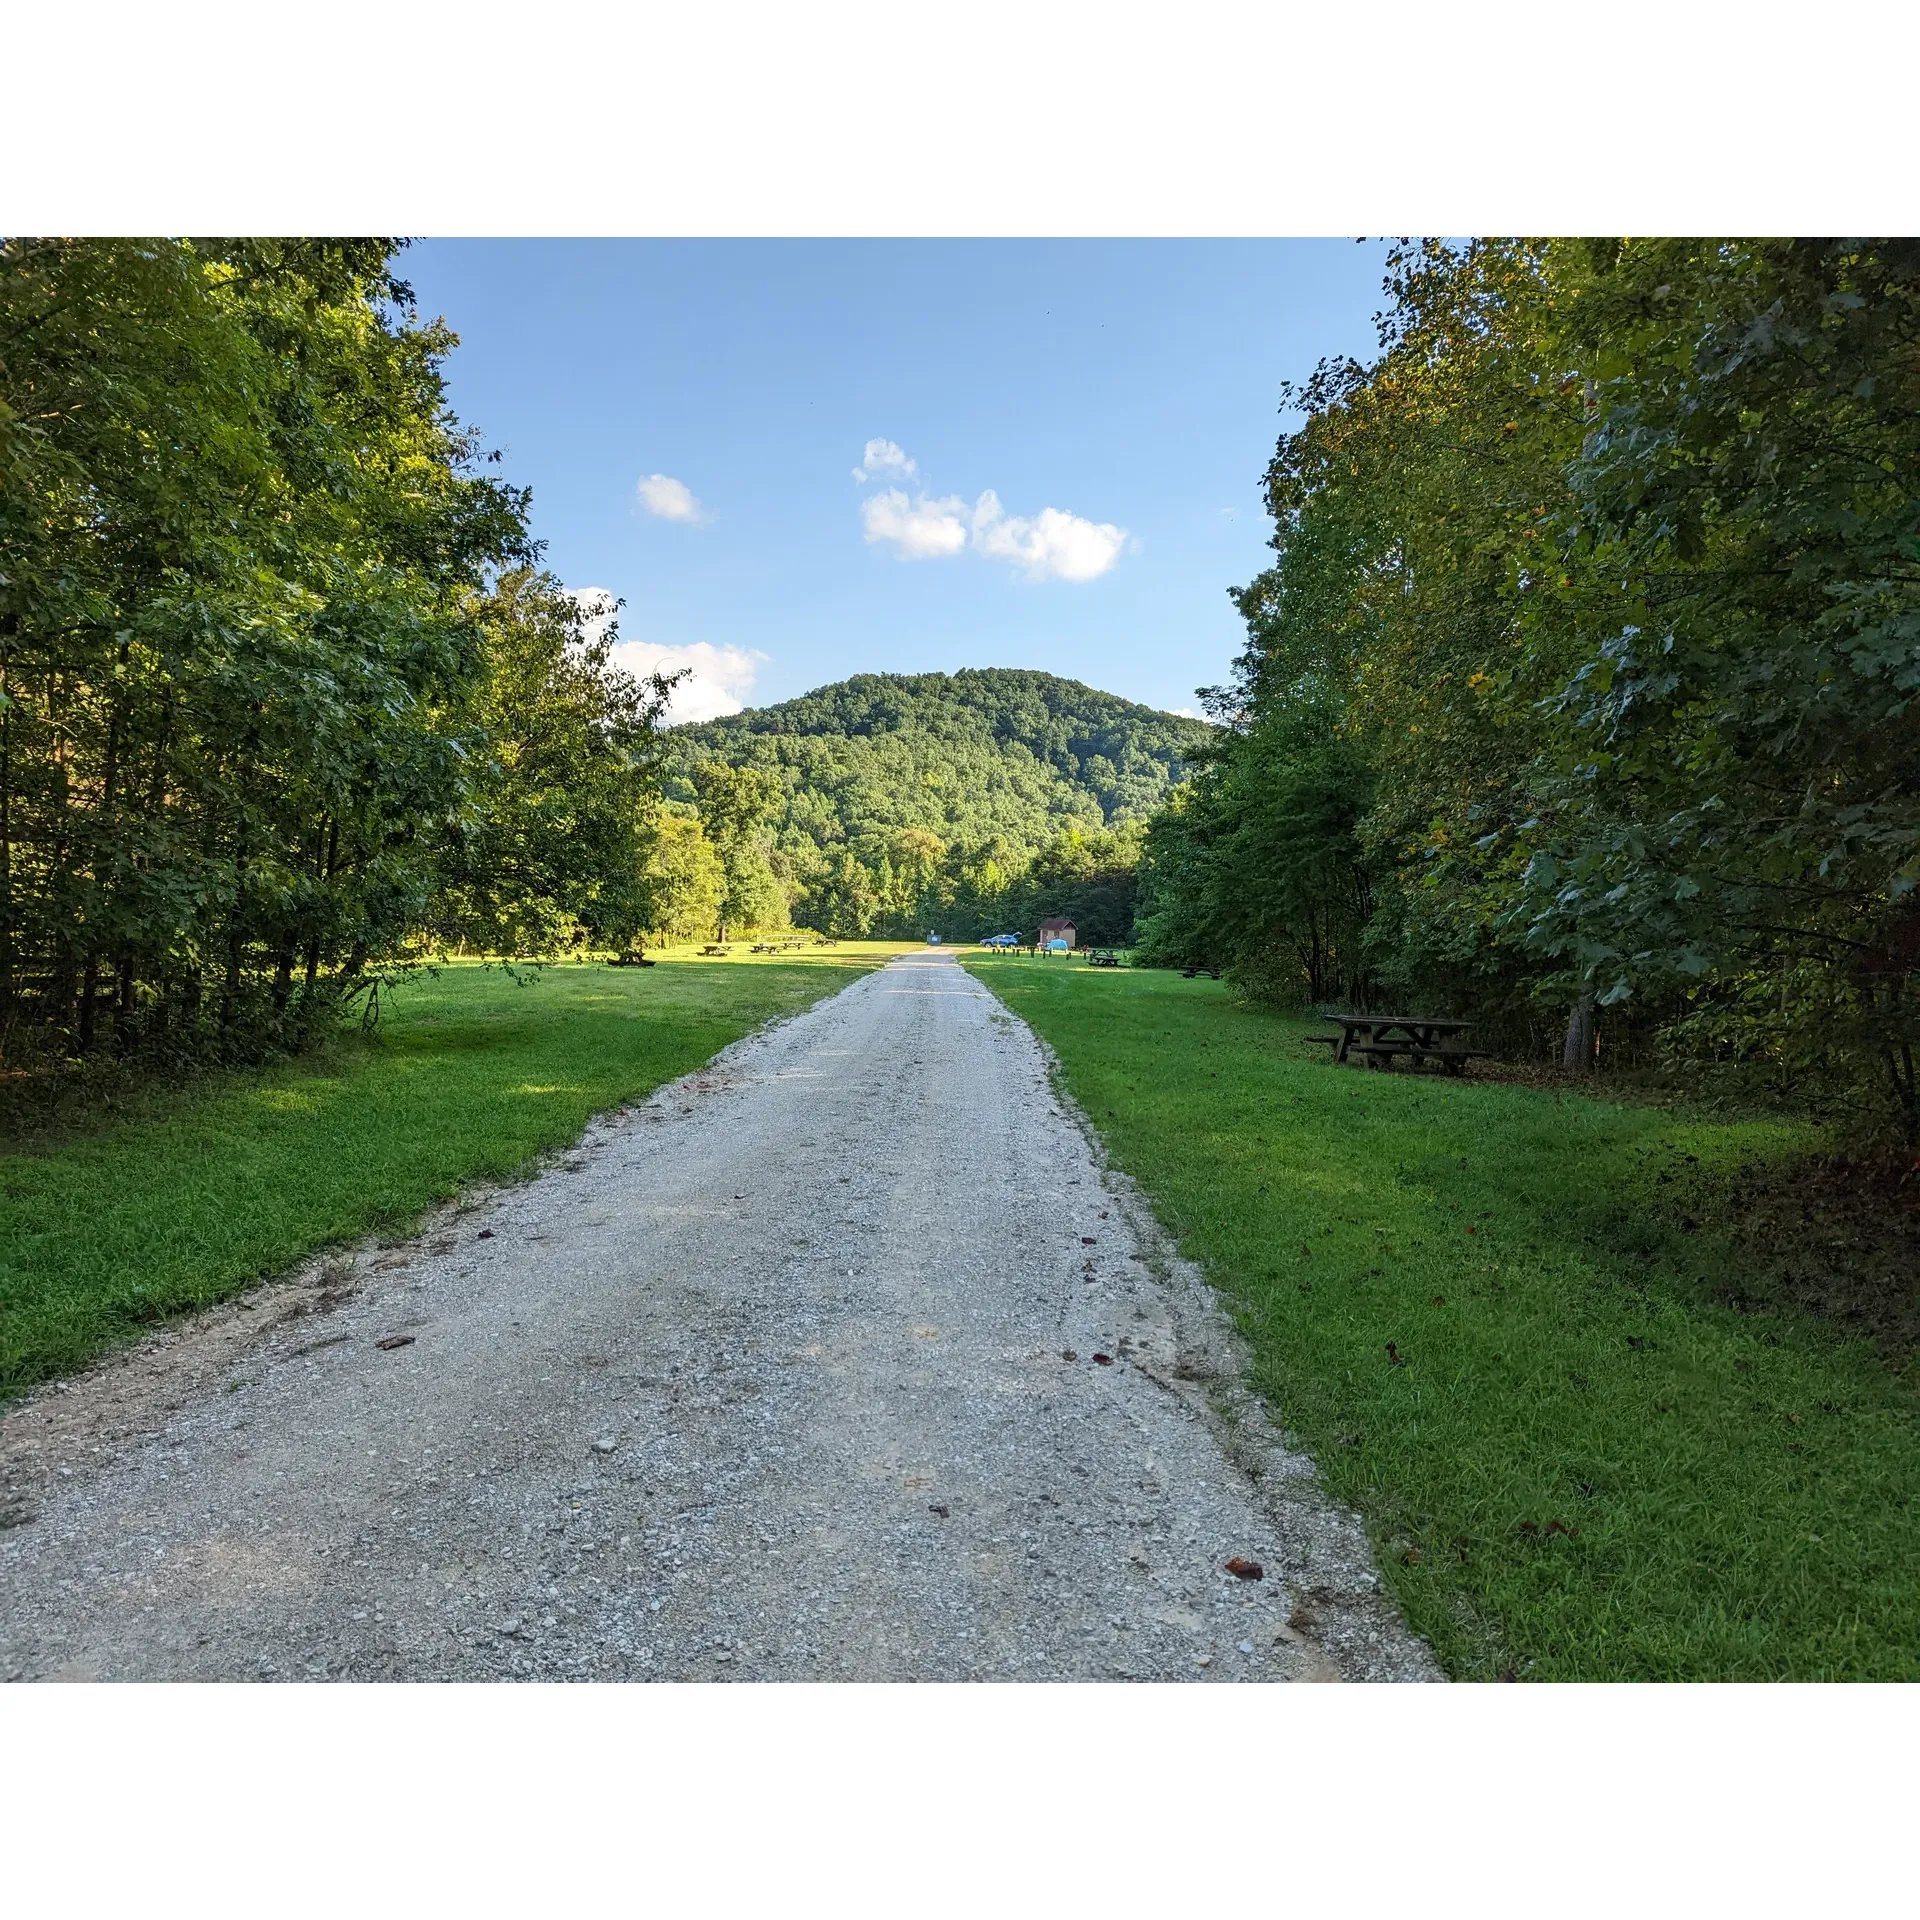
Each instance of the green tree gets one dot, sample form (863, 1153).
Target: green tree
(736, 806)
(280, 692)
(549, 844)
(681, 879)
(1261, 868)
(842, 902)
(1737, 821)
(1601, 584)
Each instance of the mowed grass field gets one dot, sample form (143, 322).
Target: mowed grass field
(470, 1078)
(1476, 1307)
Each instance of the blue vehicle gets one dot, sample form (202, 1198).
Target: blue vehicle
(1002, 940)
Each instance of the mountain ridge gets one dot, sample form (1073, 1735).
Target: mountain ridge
(903, 796)
(1120, 753)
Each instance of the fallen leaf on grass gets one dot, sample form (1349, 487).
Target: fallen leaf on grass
(1246, 1569)
(1411, 1558)
(1439, 1299)
(394, 1340)
(1395, 1356)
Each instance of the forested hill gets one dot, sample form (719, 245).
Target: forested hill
(975, 756)
(897, 801)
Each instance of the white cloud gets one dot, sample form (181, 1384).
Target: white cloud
(922, 529)
(1052, 545)
(669, 499)
(718, 678)
(597, 608)
(882, 456)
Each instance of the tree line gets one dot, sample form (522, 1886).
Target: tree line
(286, 699)
(1581, 692)
(715, 868)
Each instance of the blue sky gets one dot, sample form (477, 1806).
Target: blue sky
(1086, 422)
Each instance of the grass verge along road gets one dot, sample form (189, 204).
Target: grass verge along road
(1476, 1307)
(470, 1077)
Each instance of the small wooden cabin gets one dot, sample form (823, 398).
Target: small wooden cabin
(1051, 930)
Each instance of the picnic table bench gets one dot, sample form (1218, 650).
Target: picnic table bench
(1379, 1039)
(721, 951)
(1189, 973)
(1102, 957)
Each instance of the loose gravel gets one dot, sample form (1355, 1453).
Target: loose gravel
(842, 1359)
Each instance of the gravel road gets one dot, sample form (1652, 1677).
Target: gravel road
(842, 1359)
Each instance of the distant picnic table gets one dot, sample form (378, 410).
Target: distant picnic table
(1380, 1038)
(1102, 957)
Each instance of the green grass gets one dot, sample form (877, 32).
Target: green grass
(471, 1077)
(1582, 1467)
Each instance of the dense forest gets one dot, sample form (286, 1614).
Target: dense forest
(1581, 694)
(285, 699)
(960, 803)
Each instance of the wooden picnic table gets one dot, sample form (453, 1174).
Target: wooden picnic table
(1380, 1037)
(1102, 957)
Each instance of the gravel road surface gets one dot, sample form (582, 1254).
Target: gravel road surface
(842, 1359)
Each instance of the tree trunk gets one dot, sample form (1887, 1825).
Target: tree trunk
(123, 1002)
(1577, 1055)
(89, 1001)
